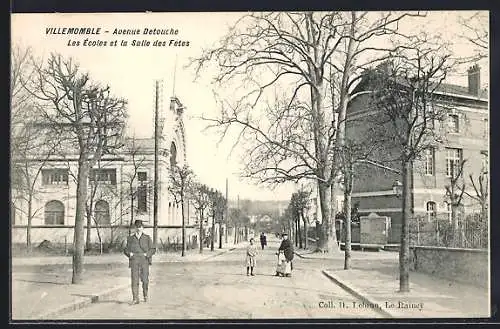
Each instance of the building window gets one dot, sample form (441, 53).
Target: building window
(55, 176)
(142, 199)
(431, 210)
(101, 213)
(105, 176)
(429, 161)
(54, 213)
(453, 123)
(142, 176)
(453, 159)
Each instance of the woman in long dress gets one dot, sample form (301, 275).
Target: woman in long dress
(285, 257)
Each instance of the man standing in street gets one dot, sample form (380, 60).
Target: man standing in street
(139, 250)
(263, 240)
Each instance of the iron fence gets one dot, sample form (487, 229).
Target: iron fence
(472, 232)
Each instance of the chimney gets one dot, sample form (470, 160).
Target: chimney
(474, 73)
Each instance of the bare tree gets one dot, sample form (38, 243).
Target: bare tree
(200, 198)
(90, 119)
(407, 109)
(136, 186)
(454, 194)
(480, 192)
(293, 51)
(31, 147)
(217, 206)
(476, 31)
(350, 154)
(181, 181)
(299, 202)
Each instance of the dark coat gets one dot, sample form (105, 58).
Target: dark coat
(139, 247)
(287, 248)
(263, 239)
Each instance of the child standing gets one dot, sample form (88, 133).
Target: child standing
(250, 259)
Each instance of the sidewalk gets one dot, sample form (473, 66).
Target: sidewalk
(377, 284)
(368, 255)
(191, 255)
(47, 291)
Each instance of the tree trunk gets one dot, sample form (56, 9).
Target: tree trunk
(81, 199)
(454, 217)
(212, 233)
(30, 219)
(99, 237)
(89, 227)
(131, 211)
(305, 230)
(404, 251)
(235, 234)
(348, 238)
(201, 232)
(183, 229)
(328, 239)
(220, 234)
(299, 233)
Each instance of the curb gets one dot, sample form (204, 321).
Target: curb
(79, 304)
(357, 294)
(94, 298)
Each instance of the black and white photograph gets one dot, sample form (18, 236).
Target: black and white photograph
(276, 165)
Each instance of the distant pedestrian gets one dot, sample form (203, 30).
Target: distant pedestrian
(139, 250)
(250, 257)
(263, 240)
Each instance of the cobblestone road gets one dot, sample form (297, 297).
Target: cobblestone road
(220, 289)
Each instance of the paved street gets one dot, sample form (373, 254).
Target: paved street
(219, 289)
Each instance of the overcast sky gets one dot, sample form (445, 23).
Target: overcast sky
(131, 73)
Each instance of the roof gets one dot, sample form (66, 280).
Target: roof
(461, 90)
(140, 143)
(452, 89)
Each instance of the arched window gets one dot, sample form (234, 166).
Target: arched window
(431, 210)
(173, 155)
(101, 212)
(54, 213)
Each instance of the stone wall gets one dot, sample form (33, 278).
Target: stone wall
(463, 265)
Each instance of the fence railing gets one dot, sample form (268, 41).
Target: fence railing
(472, 232)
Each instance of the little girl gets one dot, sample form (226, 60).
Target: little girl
(250, 259)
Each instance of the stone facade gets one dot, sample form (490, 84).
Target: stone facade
(110, 187)
(373, 185)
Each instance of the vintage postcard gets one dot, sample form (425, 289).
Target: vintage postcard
(250, 165)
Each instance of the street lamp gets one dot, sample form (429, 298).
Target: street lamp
(397, 187)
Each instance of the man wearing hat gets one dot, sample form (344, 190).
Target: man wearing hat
(139, 250)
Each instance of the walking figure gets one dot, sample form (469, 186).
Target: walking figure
(263, 240)
(285, 257)
(250, 258)
(139, 250)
